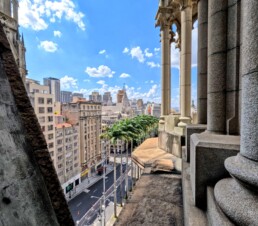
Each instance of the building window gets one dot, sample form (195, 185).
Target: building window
(49, 101)
(49, 110)
(50, 145)
(75, 165)
(50, 118)
(75, 144)
(41, 119)
(50, 136)
(75, 158)
(41, 110)
(41, 100)
(43, 128)
(59, 150)
(60, 157)
(51, 153)
(75, 151)
(50, 127)
(59, 141)
(59, 166)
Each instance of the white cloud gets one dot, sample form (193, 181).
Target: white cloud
(101, 82)
(137, 53)
(126, 50)
(152, 64)
(35, 13)
(102, 51)
(68, 82)
(29, 17)
(147, 53)
(48, 46)
(124, 75)
(156, 49)
(101, 71)
(86, 80)
(151, 81)
(152, 91)
(57, 34)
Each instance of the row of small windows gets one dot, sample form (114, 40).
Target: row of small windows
(90, 107)
(48, 110)
(41, 100)
(42, 119)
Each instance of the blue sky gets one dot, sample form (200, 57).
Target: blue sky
(98, 45)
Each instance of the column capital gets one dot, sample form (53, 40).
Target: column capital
(164, 17)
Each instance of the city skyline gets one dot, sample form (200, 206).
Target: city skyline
(74, 42)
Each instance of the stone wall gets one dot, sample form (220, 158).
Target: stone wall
(30, 190)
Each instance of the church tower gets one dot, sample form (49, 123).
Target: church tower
(9, 19)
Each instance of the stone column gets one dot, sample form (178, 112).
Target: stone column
(202, 61)
(185, 65)
(7, 7)
(15, 9)
(238, 197)
(217, 66)
(165, 67)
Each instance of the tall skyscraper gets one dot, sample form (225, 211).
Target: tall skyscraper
(66, 96)
(54, 87)
(107, 98)
(96, 97)
(9, 19)
(119, 96)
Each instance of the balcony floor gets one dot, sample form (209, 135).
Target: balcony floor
(155, 200)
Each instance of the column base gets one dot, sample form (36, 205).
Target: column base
(244, 170)
(237, 202)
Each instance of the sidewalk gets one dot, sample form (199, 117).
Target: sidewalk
(85, 184)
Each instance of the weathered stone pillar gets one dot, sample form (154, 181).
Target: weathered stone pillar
(185, 65)
(165, 67)
(202, 61)
(238, 197)
(217, 65)
(7, 7)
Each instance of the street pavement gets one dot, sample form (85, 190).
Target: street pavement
(90, 196)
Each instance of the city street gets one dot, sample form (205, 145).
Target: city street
(82, 203)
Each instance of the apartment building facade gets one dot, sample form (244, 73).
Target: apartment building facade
(43, 104)
(87, 115)
(68, 154)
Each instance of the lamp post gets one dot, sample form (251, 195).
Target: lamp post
(104, 159)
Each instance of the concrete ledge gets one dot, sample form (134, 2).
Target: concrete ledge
(208, 153)
(214, 213)
(171, 143)
(191, 129)
(192, 215)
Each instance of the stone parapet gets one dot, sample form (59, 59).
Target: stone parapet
(208, 153)
(191, 129)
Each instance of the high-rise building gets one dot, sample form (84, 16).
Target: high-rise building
(9, 19)
(107, 98)
(86, 114)
(77, 95)
(54, 87)
(139, 104)
(66, 97)
(95, 96)
(153, 109)
(119, 96)
(43, 103)
(67, 152)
